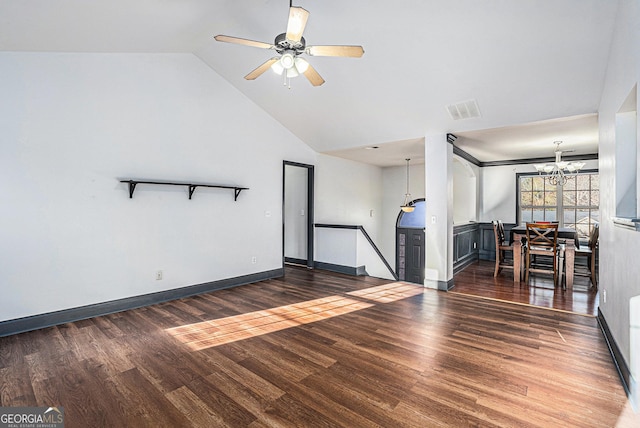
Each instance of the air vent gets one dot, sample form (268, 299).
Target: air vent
(464, 110)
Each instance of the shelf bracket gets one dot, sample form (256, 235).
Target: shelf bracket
(132, 188)
(237, 192)
(192, 188)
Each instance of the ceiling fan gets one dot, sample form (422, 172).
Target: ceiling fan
(290, 46)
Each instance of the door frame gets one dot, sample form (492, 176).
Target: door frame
(310, 208)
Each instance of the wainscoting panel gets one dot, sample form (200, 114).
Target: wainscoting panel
(465, 245)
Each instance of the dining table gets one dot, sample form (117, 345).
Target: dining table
(566, 234)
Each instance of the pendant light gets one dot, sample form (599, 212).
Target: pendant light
(408, 200)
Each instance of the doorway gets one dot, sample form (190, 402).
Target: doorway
(297, 213)
(410, 243)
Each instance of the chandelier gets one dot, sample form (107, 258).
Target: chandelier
(408, 205)
(558, 172)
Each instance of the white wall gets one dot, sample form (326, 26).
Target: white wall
(465, 191)
(619, 248)
(348, 193)
(368, 257)
(626, 159)
(337, 246)
(73, 124)
(634, 346)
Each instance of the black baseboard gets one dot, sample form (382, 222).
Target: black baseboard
(440, 285)
(616, 355)
(21, 325)
(349, 270)
(446, 285)
(463, 264)
(292, 260)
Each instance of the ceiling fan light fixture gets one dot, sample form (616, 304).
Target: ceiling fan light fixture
(301, 65)
(292, 72)
(287, 60)
(277, 68)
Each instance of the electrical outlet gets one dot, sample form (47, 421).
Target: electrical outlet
(475, 245)
(158, 275)
(254, 260)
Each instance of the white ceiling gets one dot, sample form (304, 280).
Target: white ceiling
(523, 61)
(579, 135)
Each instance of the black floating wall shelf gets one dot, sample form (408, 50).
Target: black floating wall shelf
(191, 186)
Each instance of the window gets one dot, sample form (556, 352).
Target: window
(538, 199)
(580, 202)
(416, 218)
(574, 205)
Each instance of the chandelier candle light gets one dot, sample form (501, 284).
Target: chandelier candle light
(555, 172)
(408, 201)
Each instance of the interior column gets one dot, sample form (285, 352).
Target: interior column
(439, 212)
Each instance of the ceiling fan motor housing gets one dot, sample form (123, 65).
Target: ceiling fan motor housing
(282, 44)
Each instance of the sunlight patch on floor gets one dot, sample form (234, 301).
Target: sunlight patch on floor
(207, 334)
(389, 292)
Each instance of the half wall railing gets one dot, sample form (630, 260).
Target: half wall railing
(367, 238)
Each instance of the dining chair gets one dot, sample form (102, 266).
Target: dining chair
(542, 240)
(502, 246)
(590, 253)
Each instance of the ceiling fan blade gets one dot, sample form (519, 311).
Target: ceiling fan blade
(246, 42)
(297, 21)
(261, 69)
(346, 51)
(312, 75)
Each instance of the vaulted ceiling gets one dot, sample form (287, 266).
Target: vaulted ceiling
(526, 63)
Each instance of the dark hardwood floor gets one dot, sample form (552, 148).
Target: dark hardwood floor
(477, 280)
(317, 349)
